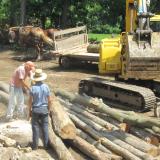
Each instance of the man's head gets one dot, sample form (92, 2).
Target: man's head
(29, 66)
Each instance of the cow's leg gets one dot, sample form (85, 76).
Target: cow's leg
(38, 53)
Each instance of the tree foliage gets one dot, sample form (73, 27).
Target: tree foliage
(100, 16)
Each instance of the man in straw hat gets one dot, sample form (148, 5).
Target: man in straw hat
(17, 85)
(39, 107)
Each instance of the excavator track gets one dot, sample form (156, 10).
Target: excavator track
(119, 94)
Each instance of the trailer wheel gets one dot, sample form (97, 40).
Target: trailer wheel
(64, 62)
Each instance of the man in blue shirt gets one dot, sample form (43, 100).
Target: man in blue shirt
(39, 107)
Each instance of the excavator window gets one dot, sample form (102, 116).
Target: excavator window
(155, 26)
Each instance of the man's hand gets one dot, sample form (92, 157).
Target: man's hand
(29, 115)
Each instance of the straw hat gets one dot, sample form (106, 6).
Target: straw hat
(38, 75)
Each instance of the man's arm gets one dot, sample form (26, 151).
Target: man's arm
(24, 84)
(49, 103)
(30, 106)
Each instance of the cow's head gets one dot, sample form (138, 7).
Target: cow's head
(12, 36)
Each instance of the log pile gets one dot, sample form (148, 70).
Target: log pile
(118, 133)
(97, 131)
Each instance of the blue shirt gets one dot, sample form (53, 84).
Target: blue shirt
(40, 93)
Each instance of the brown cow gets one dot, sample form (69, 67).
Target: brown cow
(50, 33)
(30, 36)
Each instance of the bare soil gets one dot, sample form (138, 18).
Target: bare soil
(57, 77)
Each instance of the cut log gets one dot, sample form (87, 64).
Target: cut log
(89, 149)
(85, 113)
(97, 144)
(132, 140)
(109, 144)
(128, 138)
(4, 97)
(106, 117)
(57, 144)
(112, 138)
(89, 139)
(77, 154)
(124, 127)
(152, 132)
(4, 87)
(146, 136)
(62, 124)
(93, 48)
(135, 120)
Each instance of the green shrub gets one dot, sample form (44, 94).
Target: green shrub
(105, 29)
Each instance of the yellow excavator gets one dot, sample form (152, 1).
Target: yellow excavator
(134, 57)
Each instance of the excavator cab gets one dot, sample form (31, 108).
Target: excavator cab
(155, 23)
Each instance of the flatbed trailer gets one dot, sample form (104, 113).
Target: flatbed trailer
(66, 61)
(71, 47)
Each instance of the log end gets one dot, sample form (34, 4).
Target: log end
(68, 132)
(124, 127)
(152, 140)
(155, 151)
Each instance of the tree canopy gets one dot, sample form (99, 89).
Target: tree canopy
(100, 16)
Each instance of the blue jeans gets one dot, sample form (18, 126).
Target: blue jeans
(39, 120)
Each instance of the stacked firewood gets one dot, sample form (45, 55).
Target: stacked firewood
(97, 130)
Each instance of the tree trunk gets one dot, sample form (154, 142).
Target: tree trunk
(61, 122)
(89, 149)
(64, 13)
(23, 12)
(97, 144)
(132, 140)
(4, 87)
(58, 145)
(146, 136)
(4, 98)
(85, 113)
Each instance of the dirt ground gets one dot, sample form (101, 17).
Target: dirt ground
(57, 77)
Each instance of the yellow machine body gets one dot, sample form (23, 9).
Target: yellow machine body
(110, 53)
(129, 55)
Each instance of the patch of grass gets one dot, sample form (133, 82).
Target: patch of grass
(98, 37)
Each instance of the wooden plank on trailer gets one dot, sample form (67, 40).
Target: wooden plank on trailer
(70, 30)
(72, 41)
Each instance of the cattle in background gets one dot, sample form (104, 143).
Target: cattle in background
(50, 33)
(4, 37)
(29, 36)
